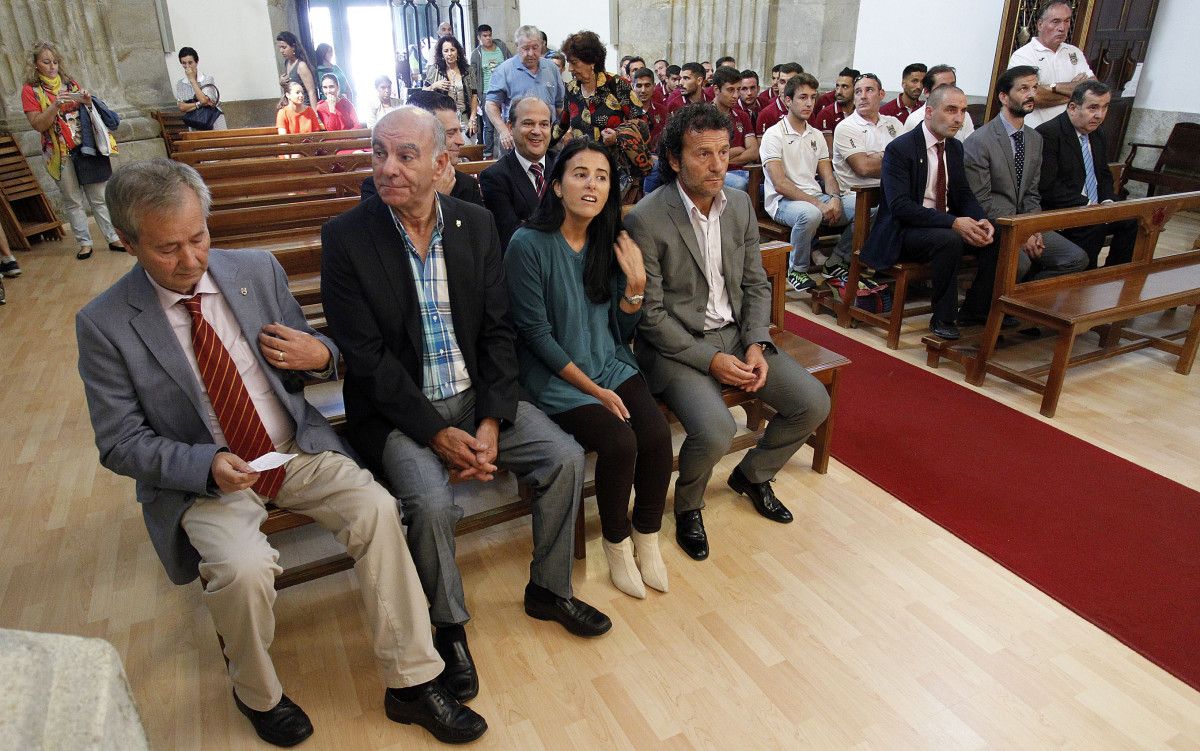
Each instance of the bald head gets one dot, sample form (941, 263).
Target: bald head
(408, 153)
(411, 124)
(945, 111)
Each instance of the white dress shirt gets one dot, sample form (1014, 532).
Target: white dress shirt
(719, 310)
(931, 160)
(525, 163)
(215, 310)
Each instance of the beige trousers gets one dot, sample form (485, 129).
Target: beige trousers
(240, 566)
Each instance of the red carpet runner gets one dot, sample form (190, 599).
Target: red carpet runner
(1114, 542)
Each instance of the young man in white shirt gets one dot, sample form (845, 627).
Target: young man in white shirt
(794, 154)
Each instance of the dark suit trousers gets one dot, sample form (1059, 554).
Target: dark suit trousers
(1091, 239)
(943, 250)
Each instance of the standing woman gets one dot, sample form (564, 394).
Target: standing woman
(575, 283)
(54, 104)
(295, 66)
(449, 73)
(325, 65)
(296, 116)
(335, 110)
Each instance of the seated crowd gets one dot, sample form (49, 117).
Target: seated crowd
(517, 321)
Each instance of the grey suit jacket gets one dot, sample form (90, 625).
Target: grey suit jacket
(146, 403)
(992, 173)
(672, 323)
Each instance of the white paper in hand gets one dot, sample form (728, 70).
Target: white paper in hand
(271, 460)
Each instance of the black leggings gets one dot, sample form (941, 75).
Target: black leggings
(629, 455)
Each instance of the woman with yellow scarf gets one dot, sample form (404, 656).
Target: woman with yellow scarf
(52, 101)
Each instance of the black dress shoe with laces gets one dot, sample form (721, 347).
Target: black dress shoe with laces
(433, 708)
(460, 677)
(690, 534)
(285, 724)
(944, 330)
(574, 614)
(762, 496)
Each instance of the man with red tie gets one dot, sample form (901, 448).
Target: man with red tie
(927, 212)
(192, 364)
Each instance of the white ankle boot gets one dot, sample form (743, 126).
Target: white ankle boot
(649, 560)
(622, 569)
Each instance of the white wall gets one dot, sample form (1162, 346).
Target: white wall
(962, 33)
(1167, 81)
(235, 42)
(560, 19)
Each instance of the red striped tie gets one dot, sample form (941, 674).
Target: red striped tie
(539, 177)
(243, 428)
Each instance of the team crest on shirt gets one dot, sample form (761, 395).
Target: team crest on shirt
(1074, 58)
(891, 130)
(737, 125)
(813, 142)
(853, 145)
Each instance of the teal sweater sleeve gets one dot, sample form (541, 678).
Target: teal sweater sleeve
(528, 280)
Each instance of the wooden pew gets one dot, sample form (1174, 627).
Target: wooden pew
(274, 150)
(170, 127)
(1073, 304)
(823, 364)
(200, 135)
(258, 139)
(286, 188)
(215, 172)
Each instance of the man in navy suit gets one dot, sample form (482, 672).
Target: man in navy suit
(186, 363)
(513, 186)
(929, 215)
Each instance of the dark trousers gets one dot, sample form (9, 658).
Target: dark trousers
(1091, 239)
(634, 455)
(943, 250)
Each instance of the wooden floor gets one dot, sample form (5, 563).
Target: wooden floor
(862, 625)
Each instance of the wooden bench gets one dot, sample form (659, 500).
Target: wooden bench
(1073, 304)
(230, 139)
(201, 135)
(824, 364)
(230, 154)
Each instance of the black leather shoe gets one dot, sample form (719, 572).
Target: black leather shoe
(944, 330)
(116, 248)
(973, 319)
(762, 496)
(285, 724)
(460, 677)
(690, 534)
(438, 712)
(574, 614)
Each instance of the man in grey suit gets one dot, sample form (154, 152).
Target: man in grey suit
(191, 363)
(706, 323)
(1003, 161)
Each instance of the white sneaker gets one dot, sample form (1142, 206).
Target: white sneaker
(622, 569)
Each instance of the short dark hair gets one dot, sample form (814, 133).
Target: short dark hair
(725, 59)
(599, 262)
(661, 60)
(913, 68)
(674, 70)
(482, 28)
(693, 118)
(793, 68)
(188, 52)
(1047, 5)
(933, 73)
(695, 68)
(643, 73)
(635, 59)
(848, 72)
(1091, 85)
(724, 74)
(586, 47)
(798, 80)
(431, 101)
(747, 73)
(775, 68)
(1009, 77)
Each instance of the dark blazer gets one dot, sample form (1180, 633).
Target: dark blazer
(370, 302)
(508, 193)
(147, 406)
(465, 189)
(902, 188)
(1062, 165)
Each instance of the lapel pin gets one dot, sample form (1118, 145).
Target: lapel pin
(458, 222)
(245, 291)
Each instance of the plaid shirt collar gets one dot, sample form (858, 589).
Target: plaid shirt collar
(435, 240)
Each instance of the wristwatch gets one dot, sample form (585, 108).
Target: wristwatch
(634, 299)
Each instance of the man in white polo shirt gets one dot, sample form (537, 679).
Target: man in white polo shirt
(858, 144)
(793, 155)
(1060, 65)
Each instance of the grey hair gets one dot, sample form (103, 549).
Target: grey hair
(527, 31)
(939, 94)
(153, 185)
(1046, 6)
(515, 104)
(426, 118)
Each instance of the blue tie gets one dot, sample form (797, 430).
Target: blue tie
(1089, 171)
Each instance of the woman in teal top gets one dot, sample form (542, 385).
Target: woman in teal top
(575, 283)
